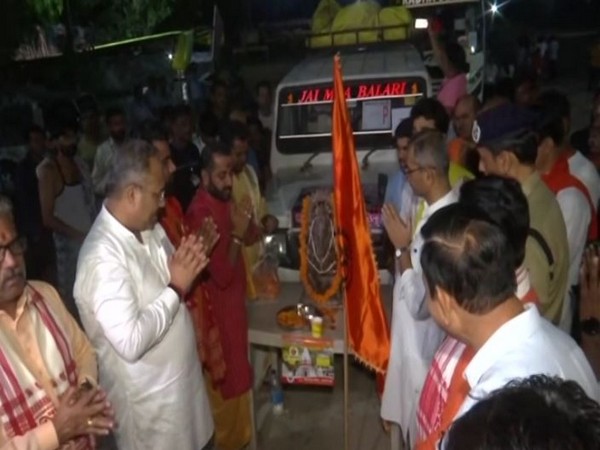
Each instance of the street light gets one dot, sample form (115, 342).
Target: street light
(494, 9)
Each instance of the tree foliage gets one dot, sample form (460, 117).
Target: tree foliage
(117, 19)
(46, 10)
(122, 19)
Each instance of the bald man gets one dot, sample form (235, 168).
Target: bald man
(463, 119)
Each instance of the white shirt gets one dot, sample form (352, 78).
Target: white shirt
(526, 345)
(576, 211)
(585, 171)
(415, 336)
(409, 203)
(144, 338)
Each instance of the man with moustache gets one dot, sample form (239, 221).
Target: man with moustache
(130, 287)
(246, 185)
(462, 148)
(229, 373)
(48, 367)
(415, 336)
(67, 203)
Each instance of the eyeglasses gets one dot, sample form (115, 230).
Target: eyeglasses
(416, 169)
(17, 247)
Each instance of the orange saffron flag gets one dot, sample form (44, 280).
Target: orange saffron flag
(368, 330)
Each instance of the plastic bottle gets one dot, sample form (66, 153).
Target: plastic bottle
(276, 393)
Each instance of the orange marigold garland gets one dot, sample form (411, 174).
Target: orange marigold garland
(334, 287)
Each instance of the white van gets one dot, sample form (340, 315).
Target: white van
(381, 87)
(382, 83)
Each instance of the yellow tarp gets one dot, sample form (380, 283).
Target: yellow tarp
(355, 17)
(398, 17)
(330, 20)
(324, 15)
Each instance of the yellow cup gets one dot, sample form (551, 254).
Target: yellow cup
(316, 327)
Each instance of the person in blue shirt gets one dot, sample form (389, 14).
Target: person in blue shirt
(393, 192)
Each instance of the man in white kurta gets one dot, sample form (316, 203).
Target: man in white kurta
(415, 336)
(142, 332)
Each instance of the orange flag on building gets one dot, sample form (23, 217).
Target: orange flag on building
(368, 330)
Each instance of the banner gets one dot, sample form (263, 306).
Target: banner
(307, 361)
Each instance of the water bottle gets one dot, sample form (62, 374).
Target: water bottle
(276, 393)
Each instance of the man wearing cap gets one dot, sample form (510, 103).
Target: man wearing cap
(507, 146)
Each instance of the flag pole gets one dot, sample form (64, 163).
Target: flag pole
(346, 374)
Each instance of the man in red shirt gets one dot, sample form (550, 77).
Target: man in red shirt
(229, 374)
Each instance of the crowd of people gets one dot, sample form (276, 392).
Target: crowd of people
(495, 275)
(151, 234)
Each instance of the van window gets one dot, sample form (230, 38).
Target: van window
(304, 116)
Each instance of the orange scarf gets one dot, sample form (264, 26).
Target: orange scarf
(172, 220)
(457, 151)
(207, 333)
(458, 391)
(208, 340)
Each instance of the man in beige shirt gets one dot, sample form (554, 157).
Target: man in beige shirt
(507, 147)
(48, 392)
(246, 188)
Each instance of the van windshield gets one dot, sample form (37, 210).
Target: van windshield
(376, 107)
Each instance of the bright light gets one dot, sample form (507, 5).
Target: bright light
(494, 8)
(170, 55)
(421, 24)
(472, 49)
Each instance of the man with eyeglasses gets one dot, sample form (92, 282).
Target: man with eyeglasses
(130, 288)
(48, 373)
(415, 336)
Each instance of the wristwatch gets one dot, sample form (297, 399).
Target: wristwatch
(590, 326)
